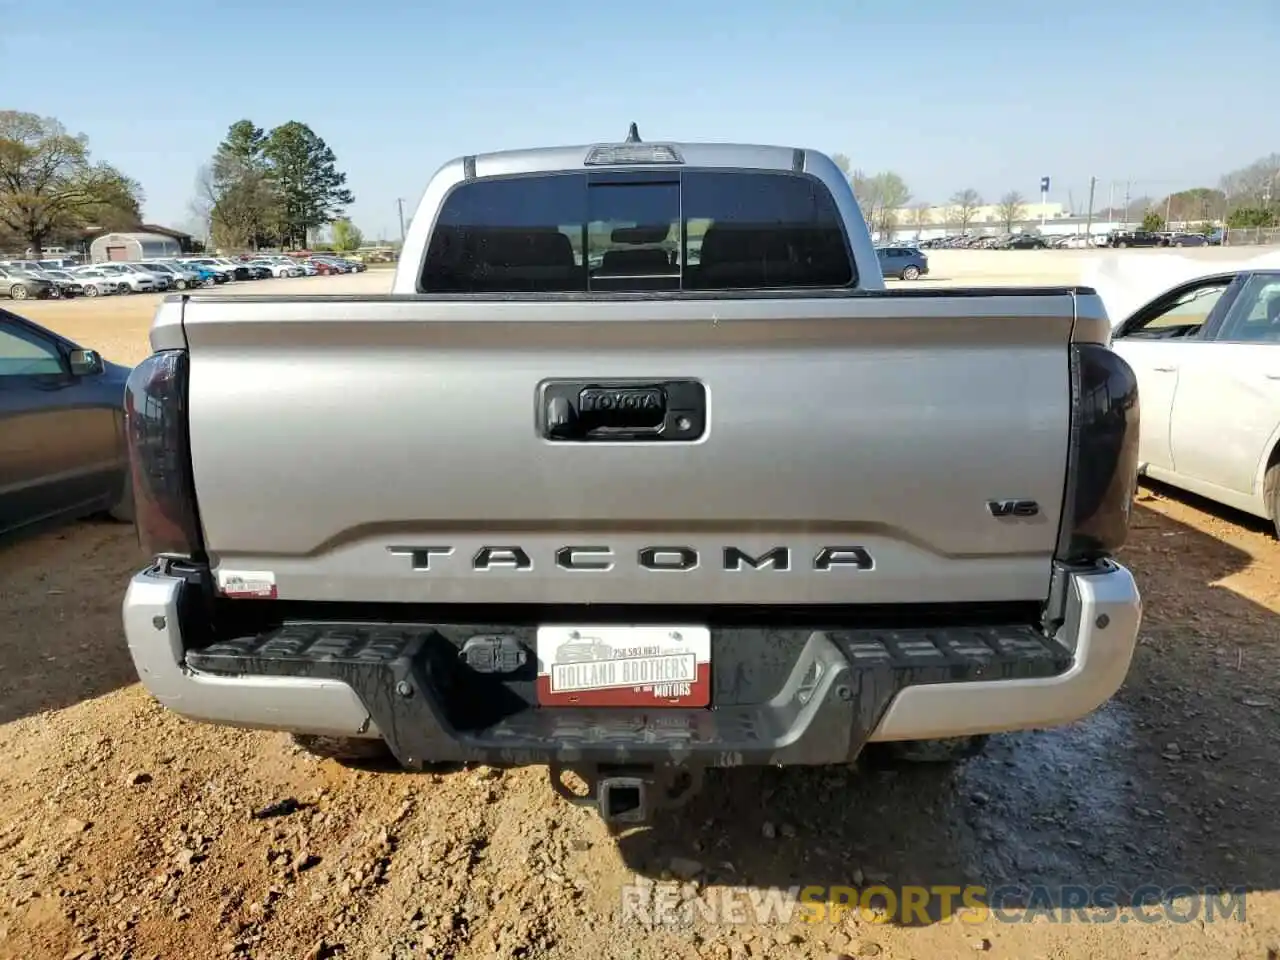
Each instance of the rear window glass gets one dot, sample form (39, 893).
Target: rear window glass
(688, 230)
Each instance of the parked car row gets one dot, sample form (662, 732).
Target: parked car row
(1035, 241)
(1011, 241)
(29, 279)
(1161, 238)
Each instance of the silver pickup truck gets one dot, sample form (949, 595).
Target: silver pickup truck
(638, 471)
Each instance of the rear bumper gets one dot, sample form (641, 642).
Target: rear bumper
(840, 693)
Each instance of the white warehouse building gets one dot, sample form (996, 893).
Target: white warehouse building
(133, 246)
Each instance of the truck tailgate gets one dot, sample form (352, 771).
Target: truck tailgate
(370, 449)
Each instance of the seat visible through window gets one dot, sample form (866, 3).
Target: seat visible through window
(479, 259)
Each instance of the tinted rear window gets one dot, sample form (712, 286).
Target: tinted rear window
(688, 230)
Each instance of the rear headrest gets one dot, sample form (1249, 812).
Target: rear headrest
(734, 243)
(1273, 308)
(475, 259)
(635, 261)
(522, 248)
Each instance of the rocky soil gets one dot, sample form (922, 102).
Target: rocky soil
(126, 832)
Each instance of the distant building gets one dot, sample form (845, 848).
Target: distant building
(1049, 219)
(986, 215)
(133, 246)
(91, 235)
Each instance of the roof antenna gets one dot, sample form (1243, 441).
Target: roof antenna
(633, 135)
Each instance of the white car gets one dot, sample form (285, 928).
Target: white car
(107, 278)
(162, 280)
(278, 268)
(136, 281)
(1206, 354)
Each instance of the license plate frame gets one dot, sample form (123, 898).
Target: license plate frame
(632, 666)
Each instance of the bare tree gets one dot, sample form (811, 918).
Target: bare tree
(964, 204)
(894, 195)
(1012, 207)
(841, 161)
(201, 206)
(866, 190)
(880, 196)
(1138, 208)
(921, 217)
(1255, 185)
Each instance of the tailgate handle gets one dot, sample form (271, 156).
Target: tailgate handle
(619, 411)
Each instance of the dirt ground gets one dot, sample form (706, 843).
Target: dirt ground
(127, 832)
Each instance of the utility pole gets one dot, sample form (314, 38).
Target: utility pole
(1128, 186)
(1044, 200)
(1088, 224)
(400, 207)
(1168, 206)
(1111, 202)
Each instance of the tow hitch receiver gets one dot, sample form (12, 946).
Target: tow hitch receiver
(621, 799)
(627, 795)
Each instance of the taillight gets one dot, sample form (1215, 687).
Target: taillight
(1102, 462)
(155, 412)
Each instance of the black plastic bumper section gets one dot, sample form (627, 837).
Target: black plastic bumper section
(431, 707)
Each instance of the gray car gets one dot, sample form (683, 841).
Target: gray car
(902, 263)
(180, 277)
(18, 284)
(62, 450)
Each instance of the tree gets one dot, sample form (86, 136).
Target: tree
(894, 195)
(921, 217)
(865, 191)
(964, 204)
(841, 161)
(246, 213)
(1197, 203)
(49, 187)
(237, 192)
(346, 236)
(1138, 208)
(1011, 209)
(244, 143)
(1152, 221)
(1251, 217)
(880, 196)
(304, 169)
(1257, 185)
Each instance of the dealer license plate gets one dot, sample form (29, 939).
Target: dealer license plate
(611, 666)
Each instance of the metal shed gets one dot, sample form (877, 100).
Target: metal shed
(133, 246)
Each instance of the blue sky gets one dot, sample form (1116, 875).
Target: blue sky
(950, 93)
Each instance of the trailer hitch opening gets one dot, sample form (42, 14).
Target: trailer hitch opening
(627, 794)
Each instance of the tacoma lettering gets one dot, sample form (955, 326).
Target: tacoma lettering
(678, 559)
(420, 557)
(779, 558)
(584, 558)
(513, 558)
(668, 558)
